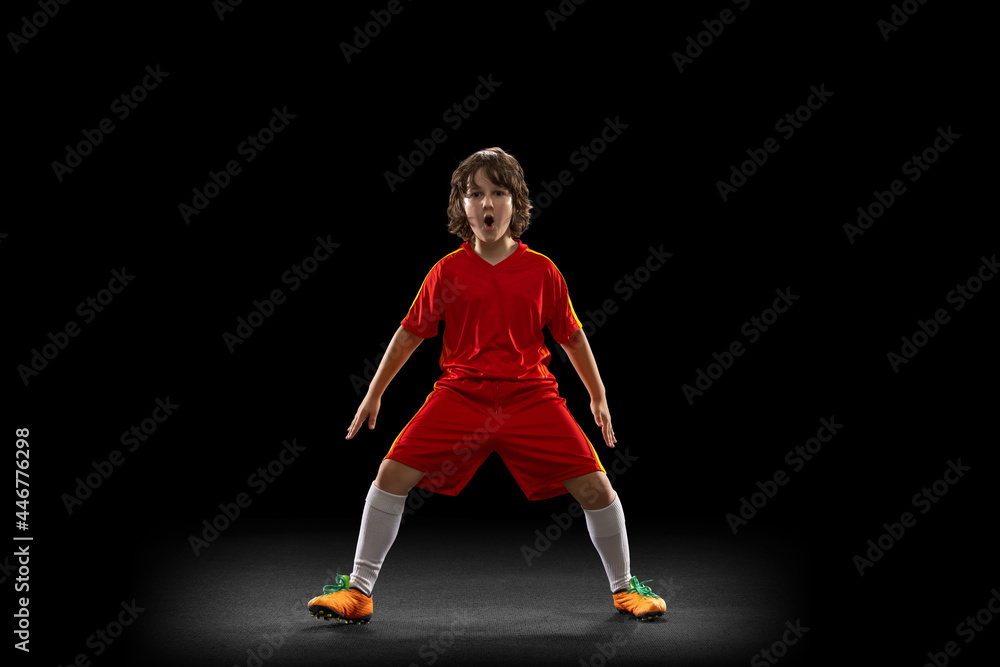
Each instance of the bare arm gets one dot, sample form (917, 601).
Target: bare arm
(400, 348)
(582, 357)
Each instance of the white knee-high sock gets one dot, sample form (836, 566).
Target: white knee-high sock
(379, 525)
(607, 532)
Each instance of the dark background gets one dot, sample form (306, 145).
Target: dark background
(655, 185)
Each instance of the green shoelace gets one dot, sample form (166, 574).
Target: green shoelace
(636, 586)
(343, 581)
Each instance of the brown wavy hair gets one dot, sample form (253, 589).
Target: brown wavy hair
(501, 168)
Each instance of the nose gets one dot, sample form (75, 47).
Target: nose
(487, 201)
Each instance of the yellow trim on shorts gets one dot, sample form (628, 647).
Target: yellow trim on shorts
(411, 419)
(594, 451)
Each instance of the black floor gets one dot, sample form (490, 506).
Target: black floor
(450, 595)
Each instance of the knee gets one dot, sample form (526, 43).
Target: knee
(386, 481)
(592, 491)
(395, 478)
(601, 498)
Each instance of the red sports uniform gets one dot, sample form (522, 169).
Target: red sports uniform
(495, 392)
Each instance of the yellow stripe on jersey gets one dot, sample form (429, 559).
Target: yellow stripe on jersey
(427, 274)
(569, 300)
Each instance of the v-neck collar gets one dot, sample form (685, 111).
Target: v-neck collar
(502, 264)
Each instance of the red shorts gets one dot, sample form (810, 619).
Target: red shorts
(526, 422)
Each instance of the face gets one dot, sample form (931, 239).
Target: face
(488, 207)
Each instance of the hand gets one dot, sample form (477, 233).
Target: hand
(602, 417)
(367, 410)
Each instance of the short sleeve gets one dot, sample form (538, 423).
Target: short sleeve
(562, 321)
(425, 311)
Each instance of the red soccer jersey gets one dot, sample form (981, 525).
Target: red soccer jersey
(494, 315)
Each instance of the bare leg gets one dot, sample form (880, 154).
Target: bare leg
(593, 491)
(606, 524)
(396, 478)
(380, 520)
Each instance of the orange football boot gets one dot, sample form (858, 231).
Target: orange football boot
(640, 601)
(342, 603)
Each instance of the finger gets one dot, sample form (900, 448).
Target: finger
(355, 425)
(609, 432)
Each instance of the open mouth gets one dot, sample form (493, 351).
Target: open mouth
(488, 221)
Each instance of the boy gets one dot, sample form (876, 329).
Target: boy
(495, 392)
